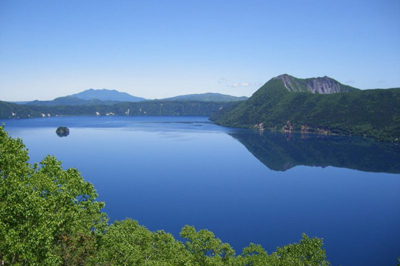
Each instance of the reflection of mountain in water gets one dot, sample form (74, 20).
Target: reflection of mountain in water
(281, 152)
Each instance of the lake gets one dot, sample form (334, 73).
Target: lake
(268, 189)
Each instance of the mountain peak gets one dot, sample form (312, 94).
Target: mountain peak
(106, 95)
(283, 76)
(319, 85)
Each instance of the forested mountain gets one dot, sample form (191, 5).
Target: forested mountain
(207, 97)
(319, 105)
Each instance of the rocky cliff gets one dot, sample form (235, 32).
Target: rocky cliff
(320, 85)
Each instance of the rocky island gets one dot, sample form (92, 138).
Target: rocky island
(62, 131)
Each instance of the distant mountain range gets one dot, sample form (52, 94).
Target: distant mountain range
(90, 97)
(107, 97)
(207, 97)
(69, 100)
(317, 105)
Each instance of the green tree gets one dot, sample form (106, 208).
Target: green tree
(255, 255)
(128, 243)
(206, 249)
(308, 252)
(48, 216)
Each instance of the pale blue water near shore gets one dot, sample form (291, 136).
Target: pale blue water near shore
(166, 172)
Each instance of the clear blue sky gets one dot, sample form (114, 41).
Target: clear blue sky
(157, 49)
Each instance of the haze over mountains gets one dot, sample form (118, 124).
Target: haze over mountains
(107, 97)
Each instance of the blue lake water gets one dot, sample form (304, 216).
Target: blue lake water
(268, 189)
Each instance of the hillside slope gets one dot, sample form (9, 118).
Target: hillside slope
(70, 100)
(372, 113)
(207, 97)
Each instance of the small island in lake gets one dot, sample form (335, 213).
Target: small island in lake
(62, 131)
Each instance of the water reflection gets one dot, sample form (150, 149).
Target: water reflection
(281, 152)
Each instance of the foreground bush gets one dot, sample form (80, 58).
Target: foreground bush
(50, 216)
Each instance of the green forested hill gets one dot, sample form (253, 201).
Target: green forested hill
(69, 100)
(207, 97)
(372, 113)
(154, 108)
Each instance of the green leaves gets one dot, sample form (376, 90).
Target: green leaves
(128, 243)
(48, 215)
(206, 249)
(308, 252)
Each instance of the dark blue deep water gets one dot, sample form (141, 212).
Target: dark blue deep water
(267, 189)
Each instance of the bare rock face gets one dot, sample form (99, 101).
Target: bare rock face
(320, 85)
(288, 128)
(259, 126)
(305, 129)
(288, 81)
(323, 85)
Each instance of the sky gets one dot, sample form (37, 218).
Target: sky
(158, 49)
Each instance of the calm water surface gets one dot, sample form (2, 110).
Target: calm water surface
(166, 172)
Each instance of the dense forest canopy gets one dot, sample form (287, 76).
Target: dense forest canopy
(147, 108)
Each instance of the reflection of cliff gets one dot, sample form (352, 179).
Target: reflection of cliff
(281, 152)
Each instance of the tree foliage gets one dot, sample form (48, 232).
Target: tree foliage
(50, 216)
